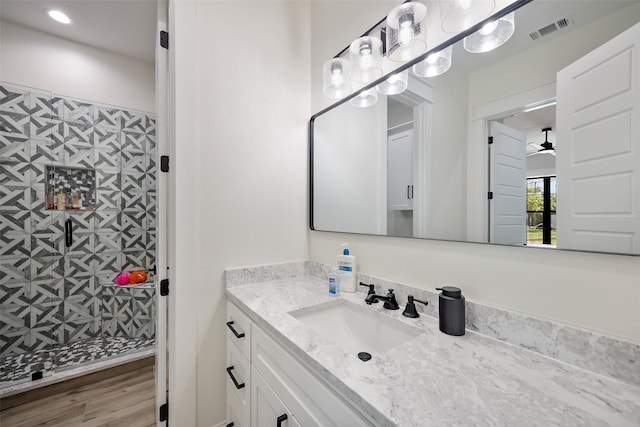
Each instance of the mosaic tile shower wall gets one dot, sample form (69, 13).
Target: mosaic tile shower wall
(51, 294)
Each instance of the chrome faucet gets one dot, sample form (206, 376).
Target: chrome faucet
(390, 302)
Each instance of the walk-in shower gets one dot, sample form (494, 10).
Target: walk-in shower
(77, 206)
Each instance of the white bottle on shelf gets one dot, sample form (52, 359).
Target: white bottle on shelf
(347, 269)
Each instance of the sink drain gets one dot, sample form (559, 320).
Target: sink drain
(364, 356)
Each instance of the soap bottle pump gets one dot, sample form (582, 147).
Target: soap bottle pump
(347, 269)
(451, 308)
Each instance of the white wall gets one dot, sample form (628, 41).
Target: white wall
(348, 196)
(449, 156)
(241, 161)
(577, 288)
(44, 61)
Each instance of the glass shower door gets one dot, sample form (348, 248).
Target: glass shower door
(28, 291)
(46, 136)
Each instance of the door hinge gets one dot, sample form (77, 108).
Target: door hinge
(164, 163)
(490, 140)
(164, 39)
(164, 412)
(164, 287)
(490, 195)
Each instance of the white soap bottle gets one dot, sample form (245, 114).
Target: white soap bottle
(347, 269)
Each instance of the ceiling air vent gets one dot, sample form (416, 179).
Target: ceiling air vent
(558, 24)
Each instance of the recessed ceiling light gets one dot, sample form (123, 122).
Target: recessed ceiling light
(59, 16)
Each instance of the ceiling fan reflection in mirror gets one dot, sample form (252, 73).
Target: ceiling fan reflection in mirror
(546, 147)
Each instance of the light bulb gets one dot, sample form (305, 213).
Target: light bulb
(335, 83)
(405, 35)
(433, 58)
(365, 56)
(396, 83)
(406, 31)
(488, 28)
(491, 35)
(365, 99)
(336, 77)
(394, 78)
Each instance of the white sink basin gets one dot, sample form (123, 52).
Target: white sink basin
(355, 328)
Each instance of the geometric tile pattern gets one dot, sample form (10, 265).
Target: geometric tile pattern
(51, 294)
(18, 368)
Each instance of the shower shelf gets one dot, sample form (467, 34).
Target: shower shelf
(76, 185)
(146, 285)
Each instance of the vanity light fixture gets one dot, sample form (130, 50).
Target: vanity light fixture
(435, 64)
(458, 15)
(59, 16)
(336, 78)
(395, 84)
(365, 99)
(406, 31)
(365, 56)
(491, 35)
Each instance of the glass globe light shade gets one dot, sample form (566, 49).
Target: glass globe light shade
(435, 64)
(458, 15)
(494, 34)
(365, 99)
(395, 84)
(406, 31)
(335, 78)
(365, 57)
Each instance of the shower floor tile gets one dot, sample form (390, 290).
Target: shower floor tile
(21, 366)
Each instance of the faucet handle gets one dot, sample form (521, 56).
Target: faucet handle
(391, 303)
(410, 309)
(372, 288)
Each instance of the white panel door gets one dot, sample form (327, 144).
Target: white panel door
(400, 171)
(508, 208)
(598, 153)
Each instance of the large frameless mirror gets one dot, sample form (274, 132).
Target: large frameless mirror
(528, 141)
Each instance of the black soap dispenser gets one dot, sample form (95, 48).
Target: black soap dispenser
(451, 308)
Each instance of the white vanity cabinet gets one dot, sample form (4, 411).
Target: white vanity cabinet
(238, 367)
(267, 409)
(268, 386)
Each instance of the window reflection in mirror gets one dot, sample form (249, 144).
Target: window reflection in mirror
(419, 164)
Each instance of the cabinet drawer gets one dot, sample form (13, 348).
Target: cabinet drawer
(239, 329)
(235, 412)
(238, 380)
(313, 402)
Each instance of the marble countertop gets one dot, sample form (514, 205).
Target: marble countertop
(437, 379)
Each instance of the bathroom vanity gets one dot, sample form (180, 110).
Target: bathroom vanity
(283, 370)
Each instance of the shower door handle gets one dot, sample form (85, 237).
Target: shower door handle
(68, 233)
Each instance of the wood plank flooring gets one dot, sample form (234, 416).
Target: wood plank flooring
(126, 399)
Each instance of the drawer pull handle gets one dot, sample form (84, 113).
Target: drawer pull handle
(280, 419)
(235, 381)
(238, 335)
(230, 424)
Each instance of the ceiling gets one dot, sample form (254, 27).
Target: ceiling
(127, 27)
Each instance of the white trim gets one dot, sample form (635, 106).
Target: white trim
(162, 147)
(419, 96)
(182, 229)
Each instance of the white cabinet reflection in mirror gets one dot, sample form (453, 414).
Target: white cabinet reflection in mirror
(585, 70)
